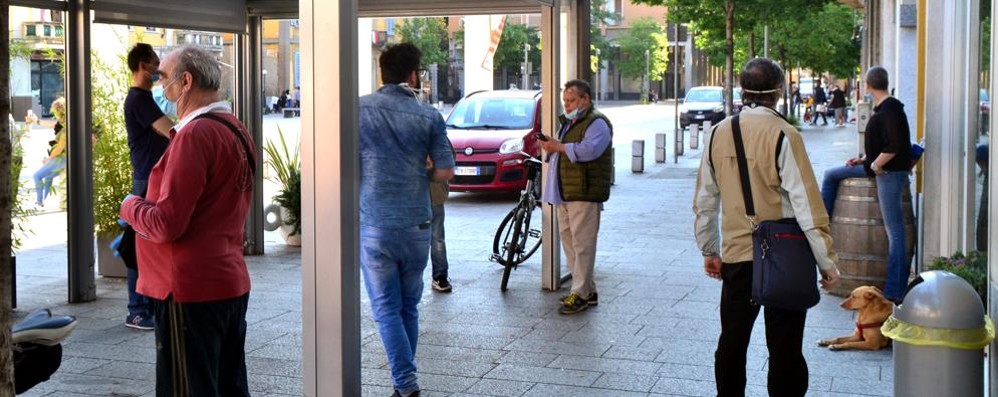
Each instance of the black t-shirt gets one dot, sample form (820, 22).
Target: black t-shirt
(146, 146)
(838, 99)
(819, 95)
(888, 132)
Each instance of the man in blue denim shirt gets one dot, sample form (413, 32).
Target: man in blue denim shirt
(397, 134)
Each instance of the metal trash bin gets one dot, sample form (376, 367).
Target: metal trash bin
(939, 333)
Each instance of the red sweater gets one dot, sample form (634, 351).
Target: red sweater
(190, 224)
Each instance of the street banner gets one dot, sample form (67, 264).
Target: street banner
(496, 25)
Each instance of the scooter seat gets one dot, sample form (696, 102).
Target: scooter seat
(40, 327)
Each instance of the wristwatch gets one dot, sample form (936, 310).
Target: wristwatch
(708, 253)
(875, 168)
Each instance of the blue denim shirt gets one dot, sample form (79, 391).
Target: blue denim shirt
(397, 134)
(593, 145)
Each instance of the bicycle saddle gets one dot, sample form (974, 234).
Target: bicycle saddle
(40, 327)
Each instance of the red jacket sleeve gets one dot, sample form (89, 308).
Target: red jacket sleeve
(184, 176)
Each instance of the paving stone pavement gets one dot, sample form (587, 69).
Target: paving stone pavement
(653, 333)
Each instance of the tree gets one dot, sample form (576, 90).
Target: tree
(427, 34)
(509, 53)
(644, 35)
(6, 352)
(599, 17)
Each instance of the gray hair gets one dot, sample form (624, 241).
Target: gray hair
(201, 64)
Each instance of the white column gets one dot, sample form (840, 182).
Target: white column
(907, 60)
(330, 164)
(365, 67)
(950, 117)
(477, 36)
(550, 107)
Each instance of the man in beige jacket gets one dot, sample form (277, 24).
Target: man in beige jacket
(783, 186)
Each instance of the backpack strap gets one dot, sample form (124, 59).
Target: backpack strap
(242, 140)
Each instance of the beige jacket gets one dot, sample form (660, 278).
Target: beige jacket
(783, 186)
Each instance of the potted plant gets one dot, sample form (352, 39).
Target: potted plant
(112, 165)
(972, 267)
(286, 168)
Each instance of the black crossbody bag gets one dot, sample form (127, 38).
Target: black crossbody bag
(784, 272)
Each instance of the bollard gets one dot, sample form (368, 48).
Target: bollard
(638, 156)
(939, 333)
(660, 148)
(678, 148)
(694, 136)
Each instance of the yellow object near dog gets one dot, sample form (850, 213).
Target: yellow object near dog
(966, 339)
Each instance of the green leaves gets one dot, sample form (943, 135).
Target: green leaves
(287, 171)
(112, 164)
(427, 34)
(509, 54)
(645, 34)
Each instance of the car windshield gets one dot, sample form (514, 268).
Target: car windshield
(984, 96)
(736, 95)
(704, 96)
(497, 113)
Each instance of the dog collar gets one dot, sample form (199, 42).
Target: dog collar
(861, 327)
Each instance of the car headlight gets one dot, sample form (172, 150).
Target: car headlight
(514, 145)
(719, 109)
(512, 162)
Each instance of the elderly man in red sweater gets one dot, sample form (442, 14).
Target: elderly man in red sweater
(190, 227)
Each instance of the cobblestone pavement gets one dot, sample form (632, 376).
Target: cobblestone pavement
(653, 333)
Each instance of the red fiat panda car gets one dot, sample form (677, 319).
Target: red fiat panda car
(479, 124)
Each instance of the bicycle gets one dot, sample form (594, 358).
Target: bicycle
(516, 240)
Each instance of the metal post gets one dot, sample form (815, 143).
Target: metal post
(526, 67)
(80, 155)
(550, 83)
(647, 81)
(765, 42)
(250, 73)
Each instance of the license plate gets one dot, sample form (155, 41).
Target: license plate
(699, 116)
(466, 171)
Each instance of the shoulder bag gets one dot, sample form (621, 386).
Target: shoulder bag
(784, 273)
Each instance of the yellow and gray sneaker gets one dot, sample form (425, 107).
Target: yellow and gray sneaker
(573, 304)
(593, 299)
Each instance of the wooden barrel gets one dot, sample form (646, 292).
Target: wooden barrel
(859, 237)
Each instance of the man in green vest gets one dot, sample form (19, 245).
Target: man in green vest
(577, 183)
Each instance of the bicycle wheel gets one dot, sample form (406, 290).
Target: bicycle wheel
(510, 259)
(526, 241)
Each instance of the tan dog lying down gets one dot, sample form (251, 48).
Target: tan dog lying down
(873, 310)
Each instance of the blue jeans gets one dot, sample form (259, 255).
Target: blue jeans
(393, 261)
(137, 304)
(890, 190)
(45, 175)
(438, 247)
(834, 176)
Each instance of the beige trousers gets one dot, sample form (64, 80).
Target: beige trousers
(578, 222)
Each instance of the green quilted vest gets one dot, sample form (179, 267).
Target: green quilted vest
(585, 181)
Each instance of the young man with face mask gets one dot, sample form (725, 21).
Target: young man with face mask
(579, 176)
(148, 136)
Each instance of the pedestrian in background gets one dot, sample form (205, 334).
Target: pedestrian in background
(839, 104)
(439, 190)
(579, 173)
(190, 224)
(820, 104)
(55, 162)
(148, 136)
(888, 158)
(397, 135)
(787, 189)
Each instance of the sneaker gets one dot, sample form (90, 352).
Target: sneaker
(138, 322)
(441, 285)
(574, 304)
(593, 299)
(413, 394)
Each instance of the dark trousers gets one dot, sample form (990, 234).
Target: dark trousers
(788, 375)
(200, 348)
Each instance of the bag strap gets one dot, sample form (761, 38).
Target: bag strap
(242, 140)
(743, 169)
